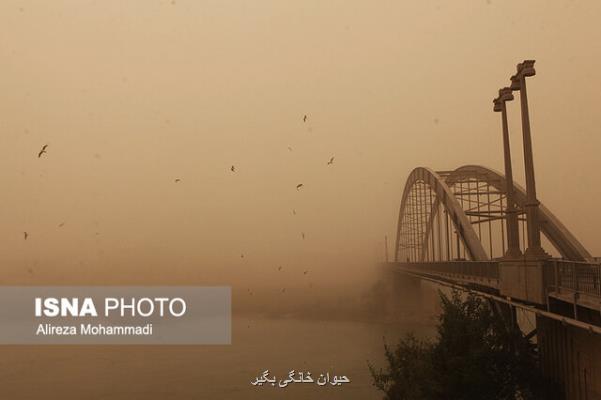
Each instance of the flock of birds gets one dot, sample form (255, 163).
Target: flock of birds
(298, 187)
(44, 148)
(40, 154)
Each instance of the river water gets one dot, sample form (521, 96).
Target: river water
(208, 372)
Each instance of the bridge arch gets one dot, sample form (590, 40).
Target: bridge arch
(436, 184)
(560, 237)
(429, 197)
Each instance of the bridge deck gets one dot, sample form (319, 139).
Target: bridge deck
(483, 273)
(574, 282)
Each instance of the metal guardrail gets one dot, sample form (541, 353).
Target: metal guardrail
(485, 271)
(573, 281)
(574, 276)
(560, 275)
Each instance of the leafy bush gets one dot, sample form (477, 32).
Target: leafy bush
(477, 355)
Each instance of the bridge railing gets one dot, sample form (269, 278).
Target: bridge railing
(575, 277)
(473, 271)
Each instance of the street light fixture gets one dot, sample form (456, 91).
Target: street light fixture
(518, 82)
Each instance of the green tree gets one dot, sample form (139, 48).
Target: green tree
(478, 355)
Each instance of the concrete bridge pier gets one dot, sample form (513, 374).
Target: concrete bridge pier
(523, 279)
(404, 296)
(570, 357)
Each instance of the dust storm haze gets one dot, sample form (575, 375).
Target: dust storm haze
(130, 96)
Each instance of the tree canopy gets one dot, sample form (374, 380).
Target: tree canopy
(478, 355)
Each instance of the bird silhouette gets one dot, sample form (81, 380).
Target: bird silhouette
(300, 185)
(61, 224)
(280, 268)
(305, 273)
(25, 234)
(177, 180)
(303, 235)
(331, 161)
(233, 169)
(241, 255)
(289, 148)
(283, 290)
(42, 151)
(305, 118)
(293, 212)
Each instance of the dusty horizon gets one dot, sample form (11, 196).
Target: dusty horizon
(130, 97)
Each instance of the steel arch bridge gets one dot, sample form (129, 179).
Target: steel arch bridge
(467, 229)
(452, 228)
(460, 214)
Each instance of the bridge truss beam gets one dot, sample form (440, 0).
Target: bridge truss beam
(460, 215)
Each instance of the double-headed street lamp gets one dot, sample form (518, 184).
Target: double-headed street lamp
(518, 82)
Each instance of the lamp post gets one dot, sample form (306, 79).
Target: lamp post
(518, 82)
(511, 219)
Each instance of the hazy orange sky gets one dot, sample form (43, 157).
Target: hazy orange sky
(130, 95)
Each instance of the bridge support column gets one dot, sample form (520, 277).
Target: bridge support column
(407, 292)
(404, 296)
(523, 279)
(571, 358)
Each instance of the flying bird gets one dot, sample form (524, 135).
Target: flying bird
(305, 118)
(241, 255)
(289, 148)
(283, 290)
(61, 224)
(303, 235)
(42, 151)
(293, 212)
(331, 161)
(280, 268)
(177, 180)
(305, 273)
(25, 234)
(233, 169)
(300, 185)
